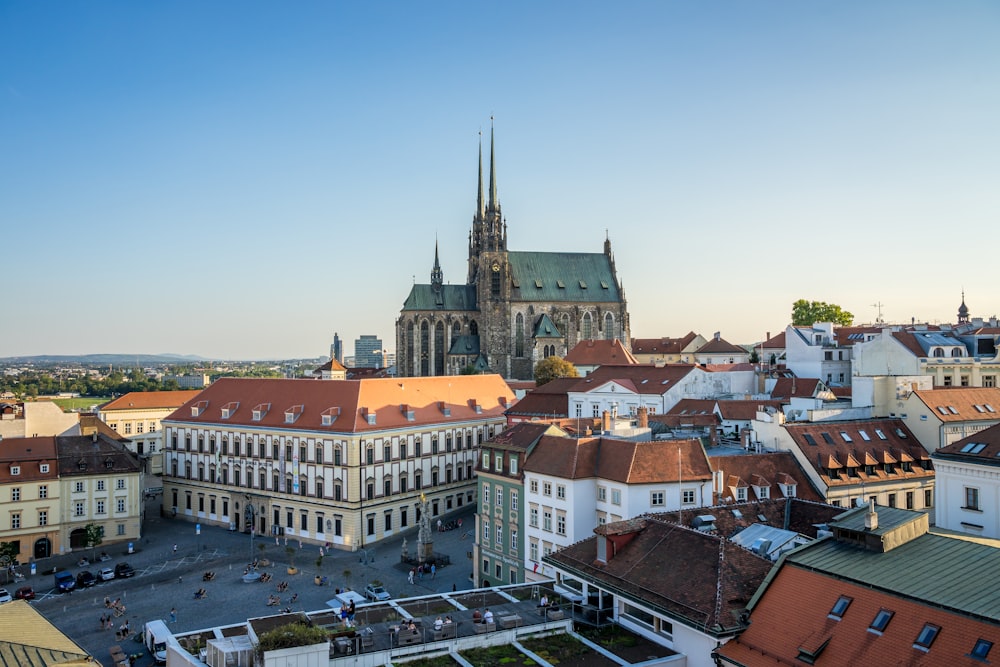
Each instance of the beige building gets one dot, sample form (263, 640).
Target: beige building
(29, 497)
(341, 463)
(939, 417)
(137, 416)
(33, 419)
(667, 350)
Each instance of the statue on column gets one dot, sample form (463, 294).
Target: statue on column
(425, 539)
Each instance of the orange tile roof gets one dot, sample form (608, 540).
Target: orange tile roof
(745, 410)
(794, 613)
(467, 397)
(775, 468)
(641, 378)
(959, 404)
(619, 460)
(662, 345)
(149, 400)
(600, 352)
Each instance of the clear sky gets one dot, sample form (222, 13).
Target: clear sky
(243, 179)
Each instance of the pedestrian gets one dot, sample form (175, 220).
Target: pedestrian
(103, 621)
(454, 588)
(173, 615)
(410, 576)
(434, 570)
(175, 548)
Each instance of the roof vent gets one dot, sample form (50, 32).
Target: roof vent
(704, 522)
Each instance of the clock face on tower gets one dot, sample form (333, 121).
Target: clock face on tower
(496, 267)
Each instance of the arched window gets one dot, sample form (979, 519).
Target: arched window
(956, 352)
(519, 335)
(440, 349)
(473, 328)
(495, 281)
(456, 331)
(938, 352)
(425, 349)
(609, 327)
(587, 327)
(409, 351)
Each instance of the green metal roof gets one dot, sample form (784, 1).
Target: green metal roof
(562, 276)
(468, 345)
(546, 328)
(889, 519)
(946, 571)
(452, 297)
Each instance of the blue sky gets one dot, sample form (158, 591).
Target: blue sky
(241, 180)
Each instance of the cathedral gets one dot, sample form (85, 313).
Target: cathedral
(515, 308)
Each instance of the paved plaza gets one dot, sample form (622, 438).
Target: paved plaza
(167, 579)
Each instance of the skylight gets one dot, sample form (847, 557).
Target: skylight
(846, 436)
(839, 607)
(979, 408)
(981, 649)
(952, 409)
(811, 440)
(826, 438)
(926, 636)
(880, 434)
(864, 435)
(901, 433)
(989, 408)
(881, 620)
(942, 409)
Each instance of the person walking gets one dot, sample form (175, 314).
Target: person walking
(173, 614)
(434, 570)
(410, 575)
(175, 548)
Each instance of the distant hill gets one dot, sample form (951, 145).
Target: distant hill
(117, 360)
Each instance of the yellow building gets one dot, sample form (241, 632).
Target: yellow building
(339, 463)
(29, 497)
(137, 416)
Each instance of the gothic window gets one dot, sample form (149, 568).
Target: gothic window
(473, 328)
(425, 347)
(519, 336)
(495, 281)
(456, 331)
(409, 345)
(440, 350)
(587, 327)
(609, 327)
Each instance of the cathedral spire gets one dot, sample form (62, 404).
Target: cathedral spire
(437, 276)
(480, 205)
(493, 171)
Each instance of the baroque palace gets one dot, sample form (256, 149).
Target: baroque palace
(515, 309)
(342, 463)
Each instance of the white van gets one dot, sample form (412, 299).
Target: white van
(156, 640)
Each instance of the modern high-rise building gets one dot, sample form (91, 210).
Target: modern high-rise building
(368, 352)
(337, 349)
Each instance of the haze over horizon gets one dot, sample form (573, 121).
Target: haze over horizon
(242, 181)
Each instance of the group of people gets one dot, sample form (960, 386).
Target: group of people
(347, 613)
(419, 570)
(439, 624)
(485, 617)
(208, 576)
(116, 607)
(282, 587)
(200, 594)
(123, 631)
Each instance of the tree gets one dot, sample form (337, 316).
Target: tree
(95, 535)
(806, 313)
(8, 556)
(552, 368)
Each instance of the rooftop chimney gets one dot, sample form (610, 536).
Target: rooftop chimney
(871, 519)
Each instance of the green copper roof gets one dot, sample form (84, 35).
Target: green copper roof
(546, 329)
(562, 276)
(468, 345)
(946, 571)
(452, 297)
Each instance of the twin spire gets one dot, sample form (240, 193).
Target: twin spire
(481, 206)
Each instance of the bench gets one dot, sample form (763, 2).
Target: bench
(447, 631)
(554, 614)
(509, 621)
(482, 628)
(408, 637)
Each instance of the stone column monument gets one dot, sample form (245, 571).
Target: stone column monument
(425, 537)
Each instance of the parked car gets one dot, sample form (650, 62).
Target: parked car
(106, 574)
(124, 571)
(85, 579)
(4, 596)
(64, 581)
(25, 593)
(376, 593)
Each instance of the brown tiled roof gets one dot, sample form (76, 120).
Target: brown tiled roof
(729, 368)
(600, 352)
(776, 342)
(693, 406)
(28, 453)
(90, 422)
(521, 435)
(796, 388)
(641, 378)
(745, 410)
(982, 447)
(908, 340)
(96, 454)
(799, 515)
(548, 400)
(959, 404)
(686, 421)
(150, 400)
(843, 334)
(702, 579)
(865, 447)
(720, 345)
(351, 401)
(794, 614)
(776, 468)
(662, 345)
(333, 365)
(624, 461)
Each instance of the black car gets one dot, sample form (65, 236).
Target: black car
(123, 571)
(85, 579)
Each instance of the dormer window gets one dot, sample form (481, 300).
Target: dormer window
(229, 408)
(292, 413)
(81, 465)
(329, 416)
(260, 411)
(741, 494)
(43, 468)
(198, 408)
(788, 490)
(109, 464)
(15, 470)
(763, 492)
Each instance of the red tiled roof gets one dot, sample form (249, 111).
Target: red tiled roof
(774, 342)
(150, 400)
(795, 388)
(548, 400)
(600, 352)
(865, 447)
(776, 468)
(693, 406)
(969, 449)
(620, 460)
(745, 410)
(662, 345)
(641, 378)
(720, 346)
(794, 614)
(468, 397)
